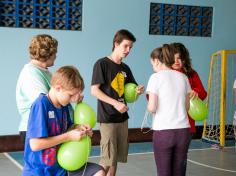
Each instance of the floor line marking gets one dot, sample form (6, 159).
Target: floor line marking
(209, 148)
(128, 154)
(14, 161)
(143, 153)
(212, 167)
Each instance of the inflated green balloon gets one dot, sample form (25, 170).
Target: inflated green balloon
(198, 110)
(84, 114)
(130, 93)
(73, 155)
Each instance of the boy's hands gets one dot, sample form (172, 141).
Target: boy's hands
(87, 129)
(76, 134)
(79, 131)
(80, 99)
(77, 98)
(121, 107)
(140, 89)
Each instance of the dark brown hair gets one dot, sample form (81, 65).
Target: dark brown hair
(164, 54)
(122, 35)
(184, 56)
(157, 54)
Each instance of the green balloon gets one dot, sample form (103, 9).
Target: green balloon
(73, 155)
(84, 114)
(198, 110)
(130, 93)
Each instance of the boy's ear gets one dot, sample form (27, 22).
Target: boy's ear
(57, 88)
(116, 44)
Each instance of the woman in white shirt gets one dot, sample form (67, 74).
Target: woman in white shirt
(169, 92)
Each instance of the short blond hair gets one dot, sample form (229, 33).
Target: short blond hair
(68, 77)
(42, 47)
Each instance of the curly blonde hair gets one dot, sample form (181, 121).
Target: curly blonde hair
(42, 47)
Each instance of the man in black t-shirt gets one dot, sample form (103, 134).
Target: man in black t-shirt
(110, 75)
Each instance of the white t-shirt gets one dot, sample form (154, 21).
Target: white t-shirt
(234, 84)
(32, 81)
(171, 88)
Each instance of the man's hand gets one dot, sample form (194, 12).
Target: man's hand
(140, 89)
(121, 107)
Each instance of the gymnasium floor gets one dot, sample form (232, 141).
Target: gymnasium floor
(203, 160)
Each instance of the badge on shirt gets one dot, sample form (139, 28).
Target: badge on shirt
(124, 74)
(51, 114)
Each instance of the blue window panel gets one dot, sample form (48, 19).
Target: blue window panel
(43, 14)
(182, 20)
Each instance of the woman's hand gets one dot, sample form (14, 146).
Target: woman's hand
(193, 94)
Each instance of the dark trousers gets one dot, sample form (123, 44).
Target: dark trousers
(186, 160)
(170, 151)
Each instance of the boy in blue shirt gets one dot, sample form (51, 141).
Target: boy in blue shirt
(49, 121)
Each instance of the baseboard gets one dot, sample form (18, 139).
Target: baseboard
(10, 143)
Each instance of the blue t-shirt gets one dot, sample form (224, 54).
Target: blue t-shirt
(45, 120)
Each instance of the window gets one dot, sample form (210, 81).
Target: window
(43, 14)
(182, 20)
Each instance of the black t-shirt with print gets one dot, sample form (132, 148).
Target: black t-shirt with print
(112, 77)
